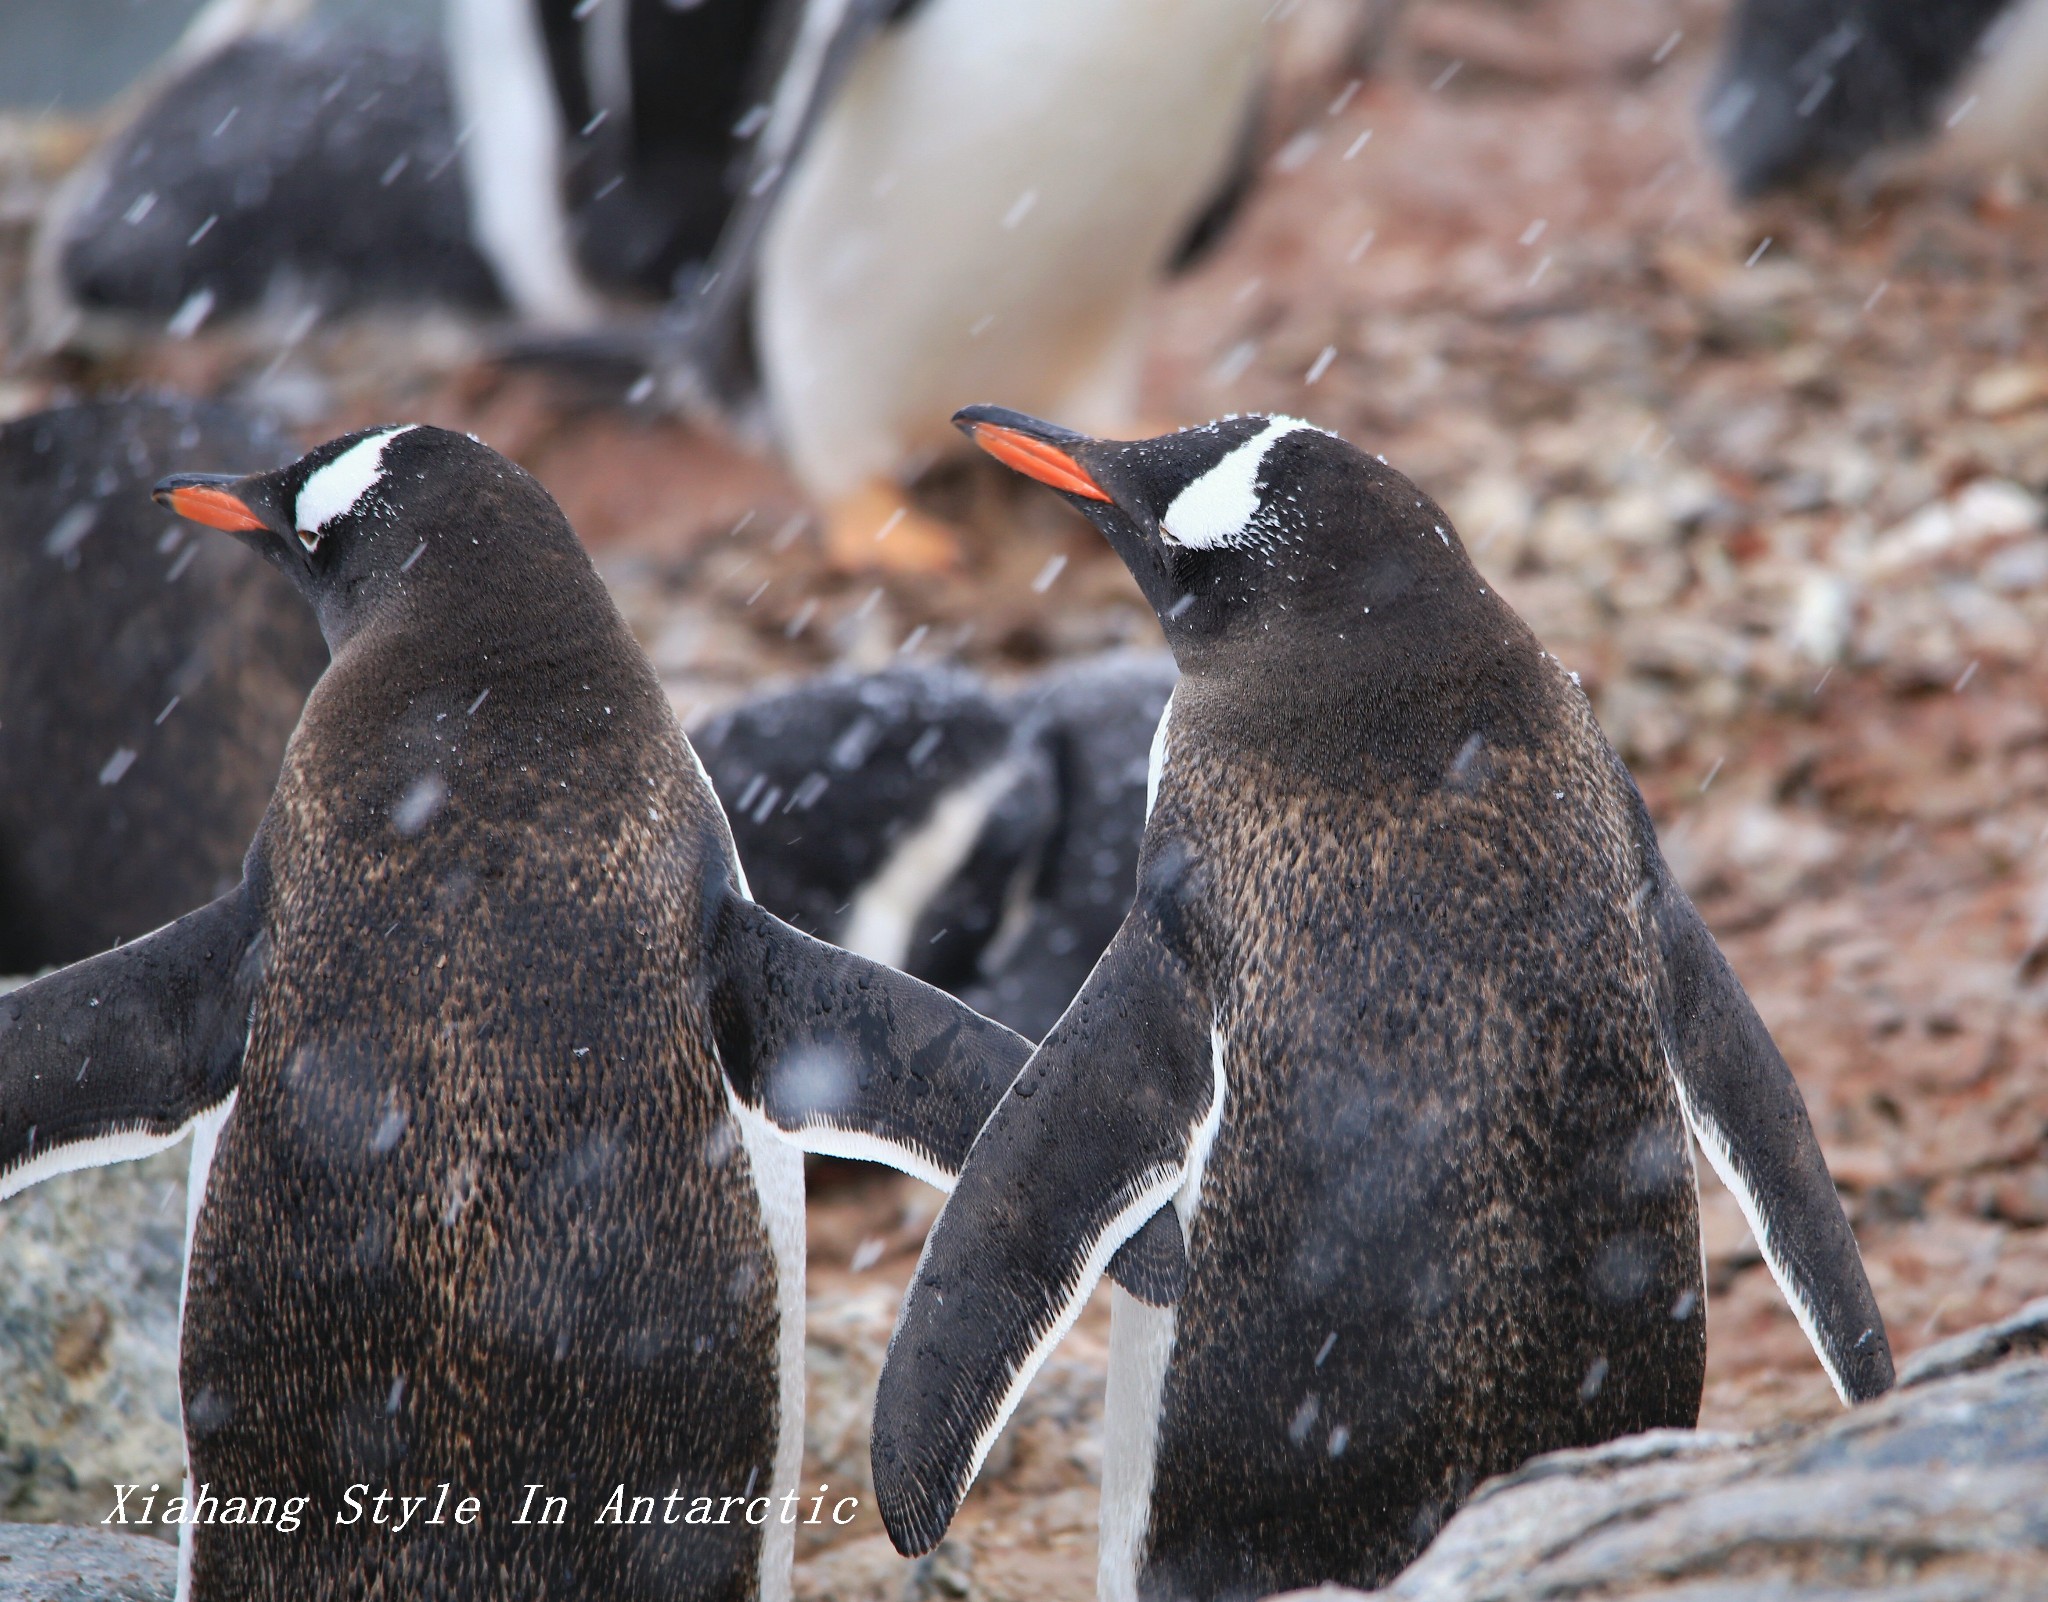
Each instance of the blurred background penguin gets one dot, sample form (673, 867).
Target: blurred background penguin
(857, 214)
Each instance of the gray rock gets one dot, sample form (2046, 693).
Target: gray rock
(944, 1574)
(1054, 1437)
(1930, 1494)
(846, 1340)
(2022, 1335)
(51, 1563)
(90, 1264)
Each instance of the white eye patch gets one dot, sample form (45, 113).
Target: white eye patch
(1218, 508)
(335, 490)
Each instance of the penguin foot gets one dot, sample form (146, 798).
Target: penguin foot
(876, 527)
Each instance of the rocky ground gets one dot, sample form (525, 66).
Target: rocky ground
(1772, 480)
(1930, 1492)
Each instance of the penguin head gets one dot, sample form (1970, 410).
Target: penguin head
(1255, 533)
(354, 523)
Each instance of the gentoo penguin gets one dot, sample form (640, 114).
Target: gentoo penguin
(1407, 1024)
(1094, 719)
(1809, 89)
(934, 197)
(608, 143)
(549, 152)
(498, 1081)
(149, 676)
(899, 814)
(304, 167)
(985, 843)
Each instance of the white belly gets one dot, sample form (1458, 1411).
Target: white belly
(2000, 109)
(778, 1169)
(1140, 1346)
(980, 213)
(206, 1132)
(1141, 1342)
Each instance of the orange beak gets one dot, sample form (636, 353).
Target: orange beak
(208, 504)
(1034, 458)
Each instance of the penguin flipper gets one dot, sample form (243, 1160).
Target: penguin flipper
(1153, 1264)
(850, 1058)
(1745, 1110)
(1093, 1140)
(114, 1057)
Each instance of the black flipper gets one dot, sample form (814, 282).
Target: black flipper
(1095, 1138)
(1153, 1264)
(853, 1059)
(113, 1058)
(1746, 1112)
(848, 1057)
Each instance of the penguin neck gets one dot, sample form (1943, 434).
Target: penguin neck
(553, 640)
(1395, 692)
(548, 602)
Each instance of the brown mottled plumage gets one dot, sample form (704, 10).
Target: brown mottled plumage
(1406, 1027)
(1445, 1092)
(499, 1079)
(477, 1084)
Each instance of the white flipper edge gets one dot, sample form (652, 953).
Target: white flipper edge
(860, 1145)
(120, 1146)
(1158, 1188)
(1715, 1144)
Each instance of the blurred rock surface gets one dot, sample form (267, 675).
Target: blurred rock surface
(89, 1270)
(1932, 1492)
(54, 1563)
(1929, 1493)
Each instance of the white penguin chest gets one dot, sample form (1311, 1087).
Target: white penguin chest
(982, 206)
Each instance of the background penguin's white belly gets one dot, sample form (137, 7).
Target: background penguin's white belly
(1999, 108)
(980, 212)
